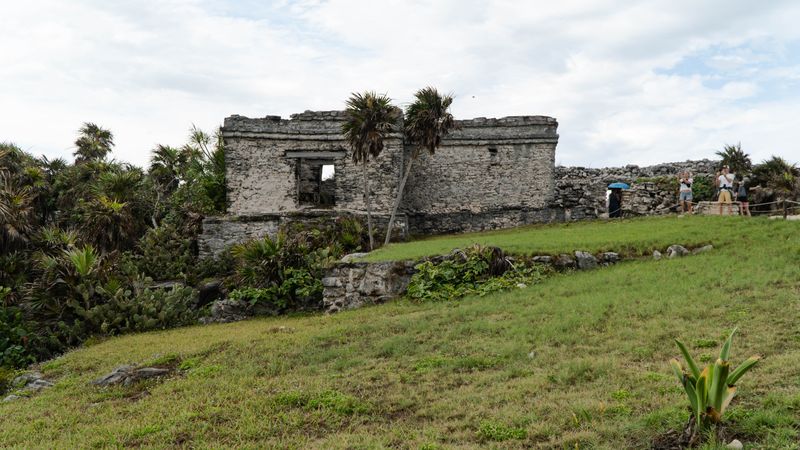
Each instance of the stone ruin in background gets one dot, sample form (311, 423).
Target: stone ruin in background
(488, 174)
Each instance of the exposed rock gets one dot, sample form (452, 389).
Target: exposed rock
(656, 255)
(543, 259)
(30, 382)
(23, 380)
(11, 398)
(735, 444)
(585, 260)
(564, 261)
(228, 310)
(522, 285)
(210, 291)
(702, 249)
(677, 251)
(352, 257)
(125, 375)
(609, 258)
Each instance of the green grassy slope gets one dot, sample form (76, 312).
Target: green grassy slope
(578, 360)
(634, 236)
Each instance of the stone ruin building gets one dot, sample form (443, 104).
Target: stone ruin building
(489, 173)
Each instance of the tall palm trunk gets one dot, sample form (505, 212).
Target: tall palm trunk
(369, 206)
(397, 200)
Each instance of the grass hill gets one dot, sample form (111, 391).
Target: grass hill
(577, 361)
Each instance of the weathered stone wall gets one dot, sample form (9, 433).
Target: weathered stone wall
(486, 165)
(262, 158)
(220, 233)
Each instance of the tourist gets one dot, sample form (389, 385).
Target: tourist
(615, 203)
(685, 194)
(741, 197)
(725, 184)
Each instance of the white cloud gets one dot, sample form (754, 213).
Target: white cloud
(636, 82)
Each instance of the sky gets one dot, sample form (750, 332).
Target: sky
(630, 82)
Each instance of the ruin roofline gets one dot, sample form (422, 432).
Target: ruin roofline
(326, 125)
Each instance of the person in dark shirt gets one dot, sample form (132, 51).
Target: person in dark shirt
(615, 203)
(741, 197)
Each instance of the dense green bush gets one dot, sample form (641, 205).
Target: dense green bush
(703, 189)
(284, 272)
(150, 309)
(475, 271)
(165, 254)
(15, 338)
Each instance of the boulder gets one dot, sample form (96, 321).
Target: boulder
(585, 260)
(30, 382)
(735, 444)
(609, 258)
(228, 310)
(11, 398)
(210, 291)
(564, 261)
(656, 255)
(677, 251)
(543, 259)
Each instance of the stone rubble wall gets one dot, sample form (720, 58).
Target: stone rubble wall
(581, 192)
(355, 284)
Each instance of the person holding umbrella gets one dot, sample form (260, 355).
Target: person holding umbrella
(615, 199)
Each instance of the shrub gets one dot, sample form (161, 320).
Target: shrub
(15, 338)
(151, 309)
(703, 189)
(475, 271)
(711, 390)
(498, 432)
(164, 254)
(288, 270)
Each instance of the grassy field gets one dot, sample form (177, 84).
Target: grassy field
(578, 361)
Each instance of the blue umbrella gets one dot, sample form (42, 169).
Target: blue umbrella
(618, 186)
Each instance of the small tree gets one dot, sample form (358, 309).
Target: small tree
(427, 121)
(734, 157)
(369, 118)
(93, 143)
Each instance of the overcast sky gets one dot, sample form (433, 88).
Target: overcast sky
(629, 82)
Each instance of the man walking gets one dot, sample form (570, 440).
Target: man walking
(725, 184)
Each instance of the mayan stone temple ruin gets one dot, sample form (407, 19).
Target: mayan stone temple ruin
(489, 173)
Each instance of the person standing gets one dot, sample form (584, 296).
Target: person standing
(685, 192)
(725, 184)
(741, 197)
(615, 203)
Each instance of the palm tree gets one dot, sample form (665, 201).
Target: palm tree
(93, 143)
(16, 212)
(369, 118)
(734, 157)
(427, 121)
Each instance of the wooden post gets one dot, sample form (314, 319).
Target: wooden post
(784, 209)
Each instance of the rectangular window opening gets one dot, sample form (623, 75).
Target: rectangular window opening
(316, 183)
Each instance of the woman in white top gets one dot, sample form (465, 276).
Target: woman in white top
(685, 194)
(725, 184)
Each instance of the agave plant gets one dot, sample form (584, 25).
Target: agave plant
(710, 390)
